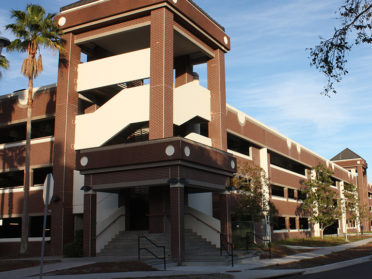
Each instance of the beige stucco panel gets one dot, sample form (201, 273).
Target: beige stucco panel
(128, 106)
(113, 70)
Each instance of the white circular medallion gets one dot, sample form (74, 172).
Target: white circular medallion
(62, 21)
(187, 151)
(232, 164)
(226, 40)
(84, 161)
(170, 150)
(175, 1)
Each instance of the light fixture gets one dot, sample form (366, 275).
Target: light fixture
(86, 188)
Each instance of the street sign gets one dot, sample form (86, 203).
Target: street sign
(47, 197)
(48, 183)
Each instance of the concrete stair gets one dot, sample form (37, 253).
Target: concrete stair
(197, 249)
(125, 244)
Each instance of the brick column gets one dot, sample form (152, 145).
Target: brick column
(217, 86)
(64, 153)
(161, 74)
(363, 193)
(177, 222)
(89, 224)
(225, 215)
(183, 70)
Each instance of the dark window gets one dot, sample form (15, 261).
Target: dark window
(11, 179)
(42, 128)
(195, 125)
(36, 226)
(334, 181)
(301, 195)
(139, 135)
(10, 227)
(348, 187)
(286, 163)
(40, 174)
(369, 195)
(13, 133)
(291, 193)
(277, 191)
(238, 144)
(304, 223)
(292, 223)
(279, 223)
(135, 132)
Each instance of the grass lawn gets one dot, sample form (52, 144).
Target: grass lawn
(7, 265)
(318, 242)
(194, 276)
(104, 267)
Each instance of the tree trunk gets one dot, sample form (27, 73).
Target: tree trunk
(25, 215)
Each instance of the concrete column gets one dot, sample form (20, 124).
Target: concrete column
(161, 74)
(264, 164)
(316, 225)
(217, 86)
(89, 224)
(183, 70)
(64, 153)
(177, 222)
(343, 209)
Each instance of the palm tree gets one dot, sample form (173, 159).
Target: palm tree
(33, 29)
(4, 63)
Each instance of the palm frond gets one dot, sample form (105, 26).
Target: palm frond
(4, 63)
(33, 29)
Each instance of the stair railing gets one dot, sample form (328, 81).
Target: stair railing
(149, 251)
(228, 247)
(251, 238)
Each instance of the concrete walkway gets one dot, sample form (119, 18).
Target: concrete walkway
(239, 271)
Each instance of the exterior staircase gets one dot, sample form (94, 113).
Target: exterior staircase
(197, 249)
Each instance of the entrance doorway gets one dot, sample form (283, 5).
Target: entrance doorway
(137, 212)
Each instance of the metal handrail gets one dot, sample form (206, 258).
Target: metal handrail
(260, 238)
(110, 224)
(227, 246)
(149, 251)
(203, 222)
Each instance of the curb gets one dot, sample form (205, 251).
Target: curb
(337, 265)
(296, 272)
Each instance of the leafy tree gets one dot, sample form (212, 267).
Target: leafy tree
(321, 200)
(329, 57)
(248, 185)
(355, 211)
(33, 29)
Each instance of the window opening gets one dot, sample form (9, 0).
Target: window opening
(286, 163)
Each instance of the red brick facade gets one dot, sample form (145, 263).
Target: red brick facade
(165, 166)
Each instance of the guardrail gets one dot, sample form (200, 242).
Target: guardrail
(149, 251)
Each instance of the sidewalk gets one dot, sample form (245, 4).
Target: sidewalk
(239, 271)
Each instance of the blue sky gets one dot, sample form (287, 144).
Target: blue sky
(267, 70)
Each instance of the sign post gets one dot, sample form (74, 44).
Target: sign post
(47, 196)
